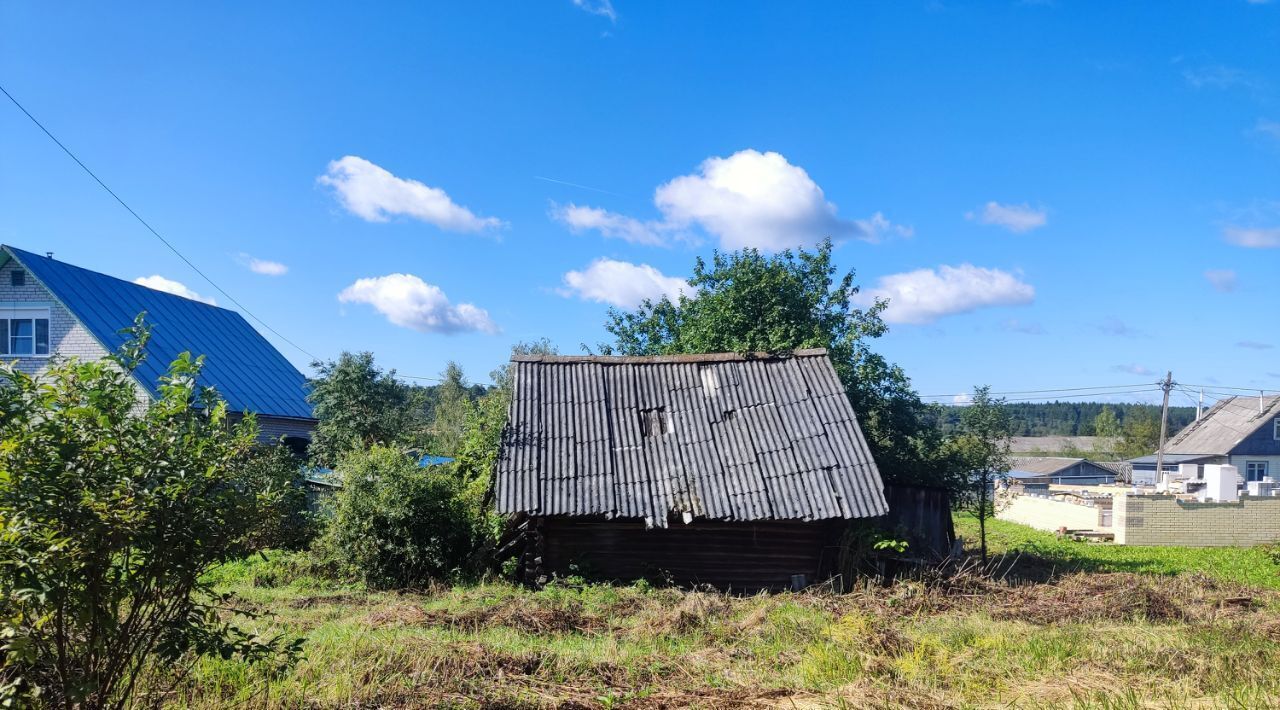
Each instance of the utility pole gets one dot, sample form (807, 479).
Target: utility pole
(1166, 385)
(1200, 405)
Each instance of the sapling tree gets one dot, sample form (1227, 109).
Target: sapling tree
(109, 517)
(982, 448)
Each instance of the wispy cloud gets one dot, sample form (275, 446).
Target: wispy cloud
(1252, 237)
(410, 302)
(1220, 76)
(749, 199)
(373, 194)
(1254, 345)
(1222, 280)
(1015, 218)
(925, 295)
(1117, 327)
(177, 288)
(1267, 128)
(603, 8)
(611, 224)
(1013, 325)
(1132, 369)
(262, 266)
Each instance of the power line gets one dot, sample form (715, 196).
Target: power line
(1087, 394)
(1049, 391)
(151, 229)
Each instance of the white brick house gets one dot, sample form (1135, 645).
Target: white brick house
(49, 309)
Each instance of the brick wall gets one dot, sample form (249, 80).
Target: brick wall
(1165, 520)
(67, 338)
(1049, 514)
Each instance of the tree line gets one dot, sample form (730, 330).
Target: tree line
(1068, 418)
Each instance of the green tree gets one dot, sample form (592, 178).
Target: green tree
(983, 448)
(745, 301)
(1140, 436)
(1106, 426)
(109, 517)
(397, 525)
(454, 405)
(357, 405)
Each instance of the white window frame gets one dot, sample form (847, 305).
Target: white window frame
(26, 311)
(1264, 465)
(1275, 428)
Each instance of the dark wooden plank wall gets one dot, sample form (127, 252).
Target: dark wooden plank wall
(743, 556)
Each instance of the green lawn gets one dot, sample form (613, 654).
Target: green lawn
(1045, 553)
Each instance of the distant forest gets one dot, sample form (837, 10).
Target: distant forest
(1070, 418)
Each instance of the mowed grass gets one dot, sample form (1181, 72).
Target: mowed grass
(1097, 639)
(1037, 554)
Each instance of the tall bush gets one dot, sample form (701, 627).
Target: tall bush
(397, 525)
(109, 517)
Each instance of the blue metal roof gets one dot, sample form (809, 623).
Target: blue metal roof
(433, 460)
(250, 374)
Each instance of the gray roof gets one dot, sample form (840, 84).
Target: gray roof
(1022, 444)
(1224, 426)
(720, 436)
(1043, 465)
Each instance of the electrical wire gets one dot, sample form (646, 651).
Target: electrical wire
(1102, 389)
(151, 229)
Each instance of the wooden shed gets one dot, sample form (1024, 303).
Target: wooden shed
(732, 470)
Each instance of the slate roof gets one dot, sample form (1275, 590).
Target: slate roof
(1224, 426)
(247, 371)
(719, 436)
(1043, 465)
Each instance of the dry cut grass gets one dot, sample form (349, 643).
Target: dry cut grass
(1106, 640)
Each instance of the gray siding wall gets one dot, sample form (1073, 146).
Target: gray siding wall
(1261, 442)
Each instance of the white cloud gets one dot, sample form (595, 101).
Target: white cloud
(410, 302)
(1132, 369)
(611, 225)
(925, 295)
(375, 195)
(963, 399)
(603, 8)
(263, 266)
(1015, 218)
(622, 284)
(1222, 280)
(1253, 237)
(177, 288)
(749, 199)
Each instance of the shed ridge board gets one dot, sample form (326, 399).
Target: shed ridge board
(720, 436)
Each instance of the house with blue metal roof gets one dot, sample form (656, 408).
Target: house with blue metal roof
(50, 308)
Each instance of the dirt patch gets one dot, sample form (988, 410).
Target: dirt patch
(521, 615)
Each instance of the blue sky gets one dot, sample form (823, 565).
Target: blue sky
(1053, 194)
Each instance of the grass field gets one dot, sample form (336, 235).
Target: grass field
(1044, 554)
(1168, 629)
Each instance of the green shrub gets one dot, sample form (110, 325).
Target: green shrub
(109, 518)
(396, 525)
(286, 523)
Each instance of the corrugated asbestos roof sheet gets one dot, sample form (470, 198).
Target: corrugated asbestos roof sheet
(1224, 426)
(720, 436)
(1043, 464)
(247, 371)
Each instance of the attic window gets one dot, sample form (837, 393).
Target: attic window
(655, 422)
(1275, 429)
(17, 277)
